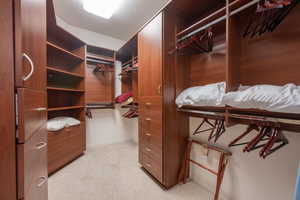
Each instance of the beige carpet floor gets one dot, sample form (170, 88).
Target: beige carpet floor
(111, 172)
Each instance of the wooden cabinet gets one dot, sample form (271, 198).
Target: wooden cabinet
(64, 146)
(30, 78)
(161, 144)
(150, 58)
(32, 112)
(30, 49)
(32, 167)
(7, 116)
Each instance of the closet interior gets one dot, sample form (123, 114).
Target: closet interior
(238, 45)
(66, 63)
(100, 78)
(229, 63)
(128, 56)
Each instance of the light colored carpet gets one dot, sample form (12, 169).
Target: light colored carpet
(111, 172)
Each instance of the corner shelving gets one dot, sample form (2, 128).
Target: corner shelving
(54, 69)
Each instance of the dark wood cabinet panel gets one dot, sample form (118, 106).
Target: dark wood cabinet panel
(150, 58)
(32, 112)
(7, 118)
(162, 140)
(99, 86)
(153, 167)
(30, 37)
(32, 167)
(64, 146)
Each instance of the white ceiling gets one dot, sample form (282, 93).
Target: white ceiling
(127, 20)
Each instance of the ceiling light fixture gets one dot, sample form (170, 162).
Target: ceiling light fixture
(102, 8)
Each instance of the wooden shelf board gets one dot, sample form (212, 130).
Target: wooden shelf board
(64, 89)
(100, 58)
(64, 51)
(65, 72)
(65, 108)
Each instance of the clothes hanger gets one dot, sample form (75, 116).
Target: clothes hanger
(277, 137)
(205, 120)
(250, 128)
(253, 144)
(220, 129)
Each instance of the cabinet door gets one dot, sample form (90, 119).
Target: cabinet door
(30, 46)
(32, 167)
(150, 58)
(32, 112)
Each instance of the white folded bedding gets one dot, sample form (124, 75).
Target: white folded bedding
(285, 99)
(207, 95)
(59, 123)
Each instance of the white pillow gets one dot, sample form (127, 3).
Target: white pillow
(285, 99)
(208, 95)
(59, 123)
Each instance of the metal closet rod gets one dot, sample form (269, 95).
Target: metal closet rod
(98, 61)
(219, 19)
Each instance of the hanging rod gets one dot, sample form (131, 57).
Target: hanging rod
(98, 61)
(204, 113)
(219, 19)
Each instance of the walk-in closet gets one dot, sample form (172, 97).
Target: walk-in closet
(137, 99)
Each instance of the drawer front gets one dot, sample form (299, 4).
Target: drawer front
(64, 146)
(32, 167)
(151, 137)
(32, 112)
(152, 151)
(152, 167)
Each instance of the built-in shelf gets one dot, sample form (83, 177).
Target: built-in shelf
(92, 56)
(64, 72)
(65, 108)
(64, 89)
(64, 51)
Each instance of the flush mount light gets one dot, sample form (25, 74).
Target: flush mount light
(102, 8)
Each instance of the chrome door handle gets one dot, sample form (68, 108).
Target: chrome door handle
(41, 145)
(148, 134)
(31, 65)
(44, 180)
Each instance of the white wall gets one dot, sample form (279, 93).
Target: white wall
(90, 37)
(248, 177)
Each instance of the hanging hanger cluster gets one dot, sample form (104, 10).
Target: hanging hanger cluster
(132, 113)
(216, 129)
(103, 67)
(200, 43)
(269, 15)
(268, 138)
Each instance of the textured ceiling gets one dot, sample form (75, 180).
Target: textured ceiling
(127, 20)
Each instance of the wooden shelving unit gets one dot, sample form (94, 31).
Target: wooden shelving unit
(66, 65)
(129, 75)
(57, 70)
(64, 89)
(100, 77)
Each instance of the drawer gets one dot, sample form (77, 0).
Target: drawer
(152, 151)
(32, 112)
(151, 107)
(32, 167)
(151, 136)
(65, 145)
(154, 168)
